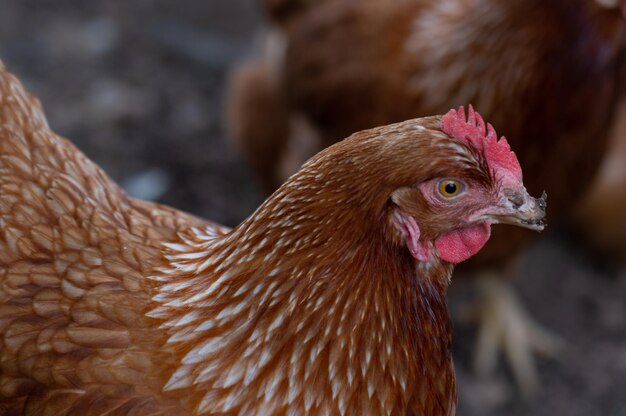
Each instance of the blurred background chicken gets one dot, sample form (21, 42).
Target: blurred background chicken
(144, 101)
(600, 216)
(546, 71)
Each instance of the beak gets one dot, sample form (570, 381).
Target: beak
(521, 209)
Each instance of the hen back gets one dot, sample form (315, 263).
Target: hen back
(75, 252)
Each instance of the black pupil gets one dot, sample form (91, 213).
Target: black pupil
(450, 188)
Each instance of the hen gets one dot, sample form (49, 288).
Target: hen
(532, 66)
(329, 299)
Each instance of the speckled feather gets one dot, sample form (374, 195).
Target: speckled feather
(315, 313)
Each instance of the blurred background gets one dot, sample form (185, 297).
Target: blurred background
(140, 87)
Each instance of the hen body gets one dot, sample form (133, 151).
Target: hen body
(533, 67)
(329, 299)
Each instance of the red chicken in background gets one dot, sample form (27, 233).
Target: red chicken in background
(543, 70)
(601, 214)
(329, 299)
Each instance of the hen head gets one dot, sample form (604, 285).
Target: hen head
(444, 180)
(475, 181)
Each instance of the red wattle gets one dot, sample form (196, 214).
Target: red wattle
(459, 245)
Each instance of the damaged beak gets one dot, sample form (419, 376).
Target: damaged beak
(521, 209)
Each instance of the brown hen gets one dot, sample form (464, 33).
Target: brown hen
(329, 299)
(544, 71)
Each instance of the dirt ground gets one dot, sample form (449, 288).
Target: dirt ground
(139, 87)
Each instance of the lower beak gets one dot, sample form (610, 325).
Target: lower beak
(521, 209)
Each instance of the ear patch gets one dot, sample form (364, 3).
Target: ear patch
(409, 229)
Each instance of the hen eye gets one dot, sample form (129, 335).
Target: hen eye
(450, 188)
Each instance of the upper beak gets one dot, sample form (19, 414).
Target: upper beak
(521, 209)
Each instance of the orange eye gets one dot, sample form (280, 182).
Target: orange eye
(450, 188)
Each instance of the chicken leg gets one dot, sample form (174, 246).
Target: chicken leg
(505, 324)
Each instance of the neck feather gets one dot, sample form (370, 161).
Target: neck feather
(280, 315)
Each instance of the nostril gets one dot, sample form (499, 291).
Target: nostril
(517, 201)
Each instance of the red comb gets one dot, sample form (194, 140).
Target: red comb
(474, 132)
